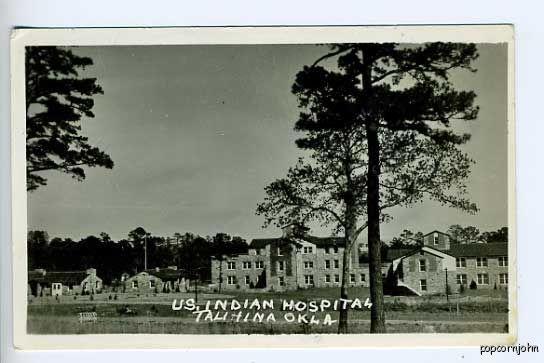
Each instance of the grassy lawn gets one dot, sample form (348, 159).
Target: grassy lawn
(479, 311)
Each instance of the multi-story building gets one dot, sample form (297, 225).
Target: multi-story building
(298, 260)
(289, 262)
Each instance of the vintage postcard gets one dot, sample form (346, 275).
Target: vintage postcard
(263, 187)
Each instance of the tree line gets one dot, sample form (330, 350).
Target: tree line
(189, 252)
(458, 234)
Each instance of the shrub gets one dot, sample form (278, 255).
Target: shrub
(473, 285)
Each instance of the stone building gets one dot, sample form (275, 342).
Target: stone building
(298, 260)
(428, 269)
(57, 283)
(155, 281)
(294, 260)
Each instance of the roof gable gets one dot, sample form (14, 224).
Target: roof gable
(436, 231)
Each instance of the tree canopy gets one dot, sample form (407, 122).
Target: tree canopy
(377, 127)
(57, 100)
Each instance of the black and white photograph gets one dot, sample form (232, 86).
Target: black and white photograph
(330, 188)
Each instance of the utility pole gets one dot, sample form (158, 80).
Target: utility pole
(447, 288)
(145, 251)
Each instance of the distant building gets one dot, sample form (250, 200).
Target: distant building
(298, 260)
(56, 283)
(290, 262)
(156, 280)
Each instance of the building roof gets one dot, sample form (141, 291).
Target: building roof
(318, 241)
(166, 274)
(478, 249)
(394, 253)
(69, 278)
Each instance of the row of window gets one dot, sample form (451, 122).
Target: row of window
(231, 280)
(308, 279)
(482, 279)
(305, 250)
(246, 265)
(481, 262)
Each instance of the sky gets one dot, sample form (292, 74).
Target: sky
(197, 132)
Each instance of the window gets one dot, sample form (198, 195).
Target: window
(281, 280)
(483, 279)
(327, 263)
(327, 250)
(503, 261)
(422, 253)
(383, 275)
(97, 284)
(309, 279)
(363, 277)
(281, 265)
(279, 251)
(337, 278)
(422, 265)
(481, 262)
(352, 278)
(336, 264)
(461, 279)
(258, 251)
(151, 284)
(327, 278)
(335, 249)
(247, 280)
(231, 280)
(246, 265)
(231, 265)
(503, 279)
(308, 264)
(308, 249)
(461, 262)
(259, 264)
(423, 285)
(435, 238)
(135, 284)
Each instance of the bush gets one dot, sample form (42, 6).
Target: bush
(473, 285)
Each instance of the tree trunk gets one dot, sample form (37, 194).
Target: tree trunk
(349, 237)
(220, 272)
(377, 314)
(349, 234)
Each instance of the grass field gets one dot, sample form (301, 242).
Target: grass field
(475, 311)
